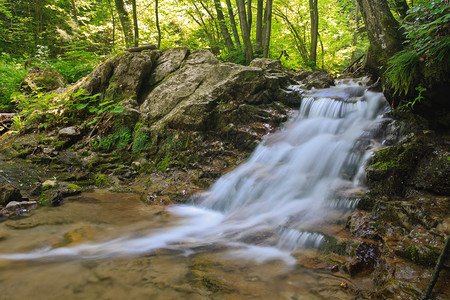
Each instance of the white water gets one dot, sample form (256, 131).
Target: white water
(266, 207)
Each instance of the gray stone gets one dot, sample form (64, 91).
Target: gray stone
(169, 62)
(68, 132)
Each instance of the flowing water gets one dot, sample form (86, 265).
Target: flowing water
(254, 234)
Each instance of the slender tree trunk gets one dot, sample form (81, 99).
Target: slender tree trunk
(223, 26)
(244, 30)
(158, 28)
(249, 16)
(314, 13)
(113, 20)
(268, 28)
(125, 21)
(382, 30)
(233, 24)
(135, 23)
(75, 13)
(355, 34)
(259, 27)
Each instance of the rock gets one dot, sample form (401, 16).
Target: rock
(57, 199)
(21, 207)
(433, 173)
(36, 189)
(9, 193)
(267, 64)
(188, 99)
(315, 79)
(69, 132)
(41, 80)
(120, 77)
(169, 62)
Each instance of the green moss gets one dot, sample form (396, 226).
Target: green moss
(412, 252)
(74, 188)
(101, 180)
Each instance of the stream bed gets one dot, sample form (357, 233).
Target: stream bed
(208, 273)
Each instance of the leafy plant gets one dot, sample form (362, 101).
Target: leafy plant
(12, 73)
(401, 69)
(116, 141)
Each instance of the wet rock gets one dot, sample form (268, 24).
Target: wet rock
(41, 80)
(365, 260)
(9, 193)
(433, 173)
(21, 207)
(57, 200)
(315, 79)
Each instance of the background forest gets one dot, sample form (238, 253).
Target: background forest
(72, 36)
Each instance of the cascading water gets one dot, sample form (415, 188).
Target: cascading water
(271, 204)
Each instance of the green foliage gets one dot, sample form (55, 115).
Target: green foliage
(141, 139)
(401, 69)
(118, 140)
(75, 64)
(410, 105)
(427, 39)
(12, 73)
(427, 30)
(169, 150)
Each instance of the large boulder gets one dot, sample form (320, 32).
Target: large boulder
(41, 80)
(189, 98)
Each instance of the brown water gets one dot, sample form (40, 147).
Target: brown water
(163, 274)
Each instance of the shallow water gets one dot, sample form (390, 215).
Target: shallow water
(96, 217)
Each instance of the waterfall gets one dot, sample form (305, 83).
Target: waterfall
(271, 204)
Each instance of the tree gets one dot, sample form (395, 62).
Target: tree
(259, 27)
(268, 28)
(314, 14)
(135, 24)
(245, 32)
(383, 31)
(223, 26)
(158, 28)
(233, 24)
(125, 22)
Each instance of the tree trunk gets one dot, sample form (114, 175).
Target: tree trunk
(382, 29)
(244, 30)
(259, 27)
(75, 12)
(314, 13)
(268, 28)
(249, 16)
(158, 28)
(233, 24)
(135, 23)
(223, 26)
(113, 20)
(125, 22)
(355, 34)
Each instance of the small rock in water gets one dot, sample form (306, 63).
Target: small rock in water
(58, 199)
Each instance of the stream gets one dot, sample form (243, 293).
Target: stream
(255, 234)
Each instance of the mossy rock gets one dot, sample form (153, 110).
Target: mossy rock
(42, 80)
